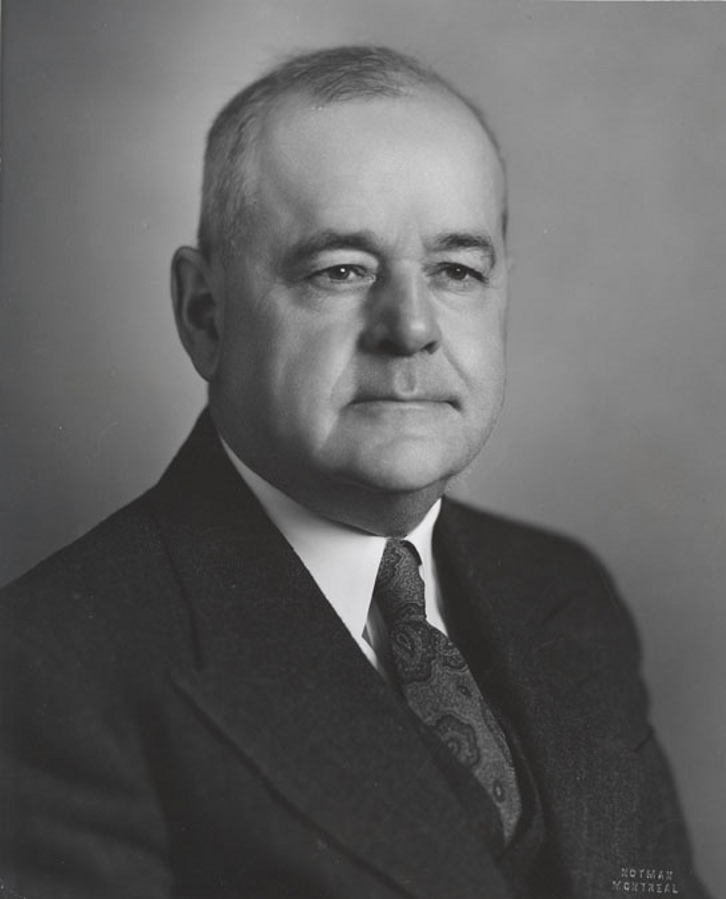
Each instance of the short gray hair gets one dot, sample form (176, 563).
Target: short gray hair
(327, 76)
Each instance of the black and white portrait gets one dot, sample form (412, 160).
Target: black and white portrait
(362, 436)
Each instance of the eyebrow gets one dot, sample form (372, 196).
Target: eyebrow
(464, 240)
(325, 241)
(365, 241)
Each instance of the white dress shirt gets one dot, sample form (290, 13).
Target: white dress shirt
(344, 561)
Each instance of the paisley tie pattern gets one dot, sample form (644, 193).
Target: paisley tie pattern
(437, 684)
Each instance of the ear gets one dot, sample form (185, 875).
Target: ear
(198, 309)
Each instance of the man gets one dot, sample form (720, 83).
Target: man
(233, 687)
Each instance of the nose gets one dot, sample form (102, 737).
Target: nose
(402, 319)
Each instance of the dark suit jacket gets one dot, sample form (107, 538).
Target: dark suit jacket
(186, 716)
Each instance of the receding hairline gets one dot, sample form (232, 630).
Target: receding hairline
(303, 99)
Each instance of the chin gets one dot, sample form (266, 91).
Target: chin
(405, 470)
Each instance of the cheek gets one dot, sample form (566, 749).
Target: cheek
(476, 346)
(306, 369)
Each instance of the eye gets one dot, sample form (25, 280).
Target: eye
(341, 273)
(454, 271)
(346, 276)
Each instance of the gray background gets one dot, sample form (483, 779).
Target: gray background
(613, 120)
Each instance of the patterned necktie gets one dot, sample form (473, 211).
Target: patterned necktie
(437, 684)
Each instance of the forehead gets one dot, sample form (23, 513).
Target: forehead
(376, 163)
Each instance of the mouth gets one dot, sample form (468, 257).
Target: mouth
(412, 402)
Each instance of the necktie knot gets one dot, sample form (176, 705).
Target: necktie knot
(399, 589)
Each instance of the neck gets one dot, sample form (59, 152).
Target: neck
(383, 514)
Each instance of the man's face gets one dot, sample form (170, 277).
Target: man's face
(364, 313)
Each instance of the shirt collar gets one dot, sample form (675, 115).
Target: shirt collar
(343, 561)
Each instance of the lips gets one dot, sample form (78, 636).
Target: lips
(404, 386)
(411, 401)
(395, 398)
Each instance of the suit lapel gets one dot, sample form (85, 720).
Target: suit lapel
(565, 685)
(279, 675)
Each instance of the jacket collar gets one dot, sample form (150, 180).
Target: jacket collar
(279, 674)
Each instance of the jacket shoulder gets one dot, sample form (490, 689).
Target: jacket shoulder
(110, 590)
(511, 542)
(541, 575)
